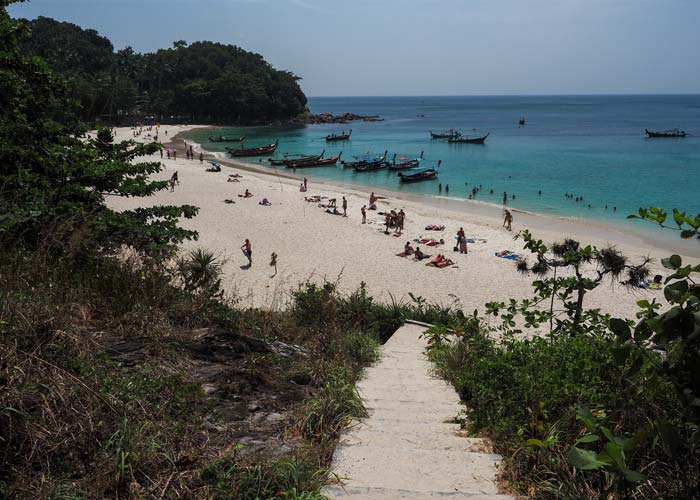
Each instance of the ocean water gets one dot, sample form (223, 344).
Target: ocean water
(590, 146)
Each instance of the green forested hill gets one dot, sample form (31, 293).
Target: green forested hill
(203, 82)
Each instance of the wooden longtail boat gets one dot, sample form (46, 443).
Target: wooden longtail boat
(449, 134)
(666, 133)
(405, 163)
(363, 162)
(421, 175)
(223, 138)
(469, 140)
(321, 162)
(255, 151)
(339, 137)
(291, 158)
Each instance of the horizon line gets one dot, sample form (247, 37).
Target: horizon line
(633, 94)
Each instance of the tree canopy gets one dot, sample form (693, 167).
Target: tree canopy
(205, 82)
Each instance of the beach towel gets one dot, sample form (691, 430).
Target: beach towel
(507, 254)
(397, 235)
(329, 211)
(403, 254)
(425, 256)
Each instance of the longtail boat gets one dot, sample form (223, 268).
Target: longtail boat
(254, 151)
(364, 161)
(421, 175)
(666, 133)
(320, 162)
(405, 163)
(449, 134)
(469, 140)
(339, 137)
(291, 158)
(223, 138)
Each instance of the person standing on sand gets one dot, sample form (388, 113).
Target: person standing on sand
(387, 222)
(305, 182)
(174, 180)
(248, 251)
(201, 157)
(161, 153)
(364, 214)
(508, 220)
(345, 207)
(273, 263)
(461, 241)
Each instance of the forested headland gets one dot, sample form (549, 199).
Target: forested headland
(202, 82)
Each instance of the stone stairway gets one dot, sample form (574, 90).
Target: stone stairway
(408, 449)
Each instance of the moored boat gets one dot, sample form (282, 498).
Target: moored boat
(223, 138)
(666, 133)
(365, 161)
(469, 140)
(449, 134)
(319, 162)
(339, 137)
(405, 163)
(254, 151)
(421, 175)
(291, 158)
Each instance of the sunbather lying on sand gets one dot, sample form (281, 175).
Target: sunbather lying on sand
(229, 201)
(247, 194)
(440, 261)
(434, 227)
(265, 202)
(312, 199)
(232, 179)
(237, 176)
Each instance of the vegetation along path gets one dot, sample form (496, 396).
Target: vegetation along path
(409, 447)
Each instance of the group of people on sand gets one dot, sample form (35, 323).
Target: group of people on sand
(395, 220)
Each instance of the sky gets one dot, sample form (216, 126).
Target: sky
(425, 47)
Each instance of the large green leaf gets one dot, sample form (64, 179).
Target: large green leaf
(584, 459)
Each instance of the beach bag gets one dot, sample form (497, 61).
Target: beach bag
(455, 248)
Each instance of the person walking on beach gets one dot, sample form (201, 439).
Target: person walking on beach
(174, 180)
(201, 157)
(161, 153)
(508, 220)
(345, 207)
(363, 210)
(248, 251)
(399, 221)
(174, 154)
(447, 188)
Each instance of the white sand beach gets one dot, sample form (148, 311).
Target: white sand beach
(312, 244)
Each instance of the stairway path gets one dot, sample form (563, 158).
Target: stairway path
(409, 448)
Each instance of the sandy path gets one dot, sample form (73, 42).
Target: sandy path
(406, 448)
(312, 244)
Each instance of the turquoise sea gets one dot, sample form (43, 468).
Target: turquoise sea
(590, 146)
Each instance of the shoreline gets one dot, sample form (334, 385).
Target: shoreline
(592, 231)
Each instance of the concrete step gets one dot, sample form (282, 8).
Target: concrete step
(445, 439)
(353, 492)
(417, 469)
